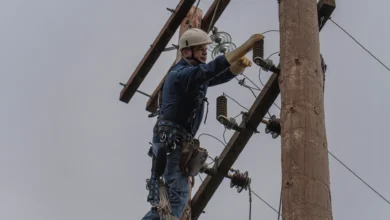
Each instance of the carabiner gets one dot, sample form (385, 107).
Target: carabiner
(163, 137)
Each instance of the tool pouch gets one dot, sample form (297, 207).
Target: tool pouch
(192, 157)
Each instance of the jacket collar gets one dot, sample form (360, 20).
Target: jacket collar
(183, 62)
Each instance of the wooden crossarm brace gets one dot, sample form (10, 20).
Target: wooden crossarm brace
(155, 50)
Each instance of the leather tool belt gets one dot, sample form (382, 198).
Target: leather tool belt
(192, 157)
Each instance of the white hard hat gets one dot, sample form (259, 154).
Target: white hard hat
(194, 37)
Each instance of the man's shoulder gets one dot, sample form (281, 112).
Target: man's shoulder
(179, 66)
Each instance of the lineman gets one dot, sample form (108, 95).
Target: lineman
(181, 110)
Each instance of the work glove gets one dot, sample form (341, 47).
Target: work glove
(239, 66)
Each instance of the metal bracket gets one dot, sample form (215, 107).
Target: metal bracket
(266, 65)
(174, 47)
(231, 123)
(171, 10)
(239, 180)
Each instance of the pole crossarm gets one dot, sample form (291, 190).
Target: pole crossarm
(151, 105)
(155, 50)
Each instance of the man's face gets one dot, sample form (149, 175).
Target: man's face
(200, 53)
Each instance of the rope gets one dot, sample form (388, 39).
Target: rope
(186, 213)
(164, 207)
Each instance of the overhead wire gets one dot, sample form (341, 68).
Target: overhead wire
(252, 82)
(346, 32)
(241, 82)
(270, 31)
(238, 115)
(236, 101)
(350, 170)
(212, 19)
(280, 202)
(212, 137)
(265, 202)
(220, 141)
(224, 132)
(250, 202)
(200, 177)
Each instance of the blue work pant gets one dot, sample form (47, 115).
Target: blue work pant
(178, 185)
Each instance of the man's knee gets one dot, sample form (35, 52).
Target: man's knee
(178, 186)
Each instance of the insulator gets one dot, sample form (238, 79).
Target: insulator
(258, 51)
(273, 127)
(218, 38)
(222, 49)
(221, 106)
(240, 180)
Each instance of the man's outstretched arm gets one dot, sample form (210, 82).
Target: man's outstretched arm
(206, 72)
(234, 70)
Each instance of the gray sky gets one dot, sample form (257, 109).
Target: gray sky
(69, 149)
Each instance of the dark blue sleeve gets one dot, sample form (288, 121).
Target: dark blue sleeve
(225, 77)
(197, 75)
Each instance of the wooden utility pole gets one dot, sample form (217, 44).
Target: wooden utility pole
(305, 166)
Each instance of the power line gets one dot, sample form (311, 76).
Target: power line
(280, 202)
(224, 132)
(359, 43)
(359, 177)
(250, 202)
(265, 202)
(270, 31)
(241, 82)
(212, 19)
(238, 115)
(200, 177)
(235, 101)
(212, 137)
(252, 82)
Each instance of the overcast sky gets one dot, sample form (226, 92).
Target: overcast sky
(69, 149)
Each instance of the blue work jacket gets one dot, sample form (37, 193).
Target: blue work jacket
(185, 88)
